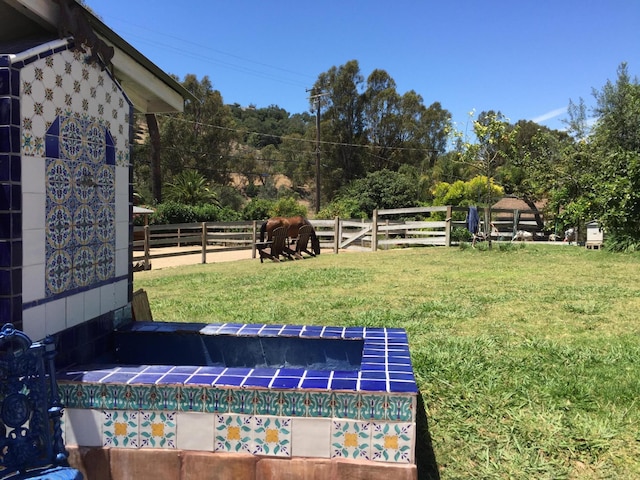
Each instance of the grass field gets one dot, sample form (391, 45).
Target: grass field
(527, 359)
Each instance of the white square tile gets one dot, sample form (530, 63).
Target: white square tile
(75, 309)
(33, 252)
(33, 283)
(121, 293)
(55, 316)
(195, 431)
(83, 427)
(92, 303)
(33, 323)
(107, 298)
(33, 175)
(122, 236)
(33, 207)
(122, 262)
(311, 437)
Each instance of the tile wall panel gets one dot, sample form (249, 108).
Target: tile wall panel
(74, 136)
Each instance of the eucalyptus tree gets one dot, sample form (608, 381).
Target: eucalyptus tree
(337, 92)
(201, 138)
(382, 121)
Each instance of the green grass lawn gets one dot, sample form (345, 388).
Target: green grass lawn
(527, 359)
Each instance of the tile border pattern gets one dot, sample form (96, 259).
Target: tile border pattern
(263, 435)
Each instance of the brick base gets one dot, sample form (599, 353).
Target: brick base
(149, 464)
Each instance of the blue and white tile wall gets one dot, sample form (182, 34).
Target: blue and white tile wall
(10, 197)
(67, 153)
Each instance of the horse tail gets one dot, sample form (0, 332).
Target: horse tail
(263, 229)
(315, 241)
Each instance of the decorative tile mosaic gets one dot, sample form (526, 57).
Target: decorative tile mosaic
(63, 84)
(76, 117)
(80, 205)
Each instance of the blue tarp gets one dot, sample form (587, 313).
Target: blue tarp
(473, 219)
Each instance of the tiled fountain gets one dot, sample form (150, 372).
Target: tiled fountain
(268, 390)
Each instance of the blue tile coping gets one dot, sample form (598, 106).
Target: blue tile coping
(376, 359)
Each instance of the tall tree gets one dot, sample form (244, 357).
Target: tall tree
(615, 145)
(201, 137)
(341, 126)
(382, 121)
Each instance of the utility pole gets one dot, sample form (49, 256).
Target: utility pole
(316, 98)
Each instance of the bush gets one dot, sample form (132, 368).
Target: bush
(287, 207)
(257, 209)
(213, 213)
(172, 212)
(460, 234)
(343, 208)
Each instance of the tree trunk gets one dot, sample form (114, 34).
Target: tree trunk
(154, 141)
(537, 215)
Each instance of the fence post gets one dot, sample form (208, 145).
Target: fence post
(374, 231)
(147, 243)
(487, 225)
(447, 226)
(386, 233)
(254, 238)
(337, 235)
(204, 242)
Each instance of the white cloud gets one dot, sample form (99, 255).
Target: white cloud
(549, 115)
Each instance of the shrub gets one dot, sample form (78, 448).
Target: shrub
(287, 207)
(257, 209)
(172, 212)
(343, 208)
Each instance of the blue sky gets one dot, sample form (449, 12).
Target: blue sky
(525, 58)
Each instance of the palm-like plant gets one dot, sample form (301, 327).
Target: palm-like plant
(191, 188)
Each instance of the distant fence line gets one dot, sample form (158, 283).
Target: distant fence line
(385, 230)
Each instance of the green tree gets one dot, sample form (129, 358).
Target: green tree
(381, 121)
(201, 138)
(382, 189)
(535, 170)
(342, 129)
(465, 194)
(615, 150)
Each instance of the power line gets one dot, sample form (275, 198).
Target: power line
(289, 138)
(200, 47)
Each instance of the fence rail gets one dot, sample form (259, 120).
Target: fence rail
(386, 229)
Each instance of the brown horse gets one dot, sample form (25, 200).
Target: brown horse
(292, 224)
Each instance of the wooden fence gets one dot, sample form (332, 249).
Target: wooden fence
(388, 228)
